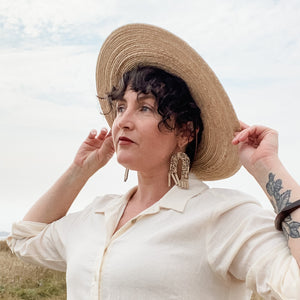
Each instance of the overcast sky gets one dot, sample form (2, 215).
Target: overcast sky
(48, 53)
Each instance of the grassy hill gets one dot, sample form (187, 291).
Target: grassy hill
(19, 280)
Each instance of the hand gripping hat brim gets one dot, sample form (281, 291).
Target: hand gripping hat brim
(147, 45)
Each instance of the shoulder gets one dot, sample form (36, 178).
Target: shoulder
(218, 195)
(230, 196)
(229, 207)
(98, 204)
(80, 216)
(101, 202)
(224, 201)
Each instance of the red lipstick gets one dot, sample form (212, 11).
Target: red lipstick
(123, 140)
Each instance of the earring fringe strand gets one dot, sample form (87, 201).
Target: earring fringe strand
(183, 182)
(126, 174)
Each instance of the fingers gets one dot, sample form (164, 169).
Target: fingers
(104, 141)
(102, 134)
(250, 133)
(244, 134)
(108, 145)
(92, 134)
(243, 125)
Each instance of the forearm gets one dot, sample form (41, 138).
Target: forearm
(55, 203)
(282, 190)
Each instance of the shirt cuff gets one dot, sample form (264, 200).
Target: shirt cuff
(23, 230)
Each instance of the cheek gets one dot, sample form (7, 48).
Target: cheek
(165, 143)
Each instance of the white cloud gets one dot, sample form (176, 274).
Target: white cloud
(37, 15)
(50, 71)
(48, 56)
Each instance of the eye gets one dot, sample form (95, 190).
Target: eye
(146, 108)
(120, 108)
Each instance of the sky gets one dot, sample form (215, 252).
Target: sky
(48, 53)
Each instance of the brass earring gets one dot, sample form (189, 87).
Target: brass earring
(126, 174)
(183, 182)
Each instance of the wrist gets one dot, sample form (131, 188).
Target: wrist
(264, 167)
(78, 173)
(286, 212)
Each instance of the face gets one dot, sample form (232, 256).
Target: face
(138, 142)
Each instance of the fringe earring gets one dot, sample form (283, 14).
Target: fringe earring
(126, 174)
(183, 182)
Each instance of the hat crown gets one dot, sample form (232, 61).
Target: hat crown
(148, 45)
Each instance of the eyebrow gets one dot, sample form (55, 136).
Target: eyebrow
(140, 97)
(143, 96)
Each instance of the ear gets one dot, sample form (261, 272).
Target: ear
(182, 142)
(185, 134)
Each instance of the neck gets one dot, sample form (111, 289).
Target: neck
(151, 187)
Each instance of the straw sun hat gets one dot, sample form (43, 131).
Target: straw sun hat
(147, 45)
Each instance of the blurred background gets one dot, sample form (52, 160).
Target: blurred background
(48, 104)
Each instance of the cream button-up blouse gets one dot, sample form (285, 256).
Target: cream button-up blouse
(199, 243)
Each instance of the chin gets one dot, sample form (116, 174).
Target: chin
(127, 163)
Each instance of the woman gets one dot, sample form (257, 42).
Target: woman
(171, 237)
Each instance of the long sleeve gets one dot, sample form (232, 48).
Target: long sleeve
(39, 243)
(243, 243)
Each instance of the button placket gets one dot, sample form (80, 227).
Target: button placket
(111, 221)
(122, 230)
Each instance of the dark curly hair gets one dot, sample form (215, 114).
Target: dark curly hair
(174, 100)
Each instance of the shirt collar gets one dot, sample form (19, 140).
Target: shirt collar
(113, 201)
(175, 199)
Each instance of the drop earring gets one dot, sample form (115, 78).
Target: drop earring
(126, 174)
(183, 182)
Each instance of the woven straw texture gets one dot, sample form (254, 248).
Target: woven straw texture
(147, 45)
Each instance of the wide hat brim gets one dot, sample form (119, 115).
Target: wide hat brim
(147, 45)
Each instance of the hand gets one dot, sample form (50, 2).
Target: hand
(257, 144)
(95, 151)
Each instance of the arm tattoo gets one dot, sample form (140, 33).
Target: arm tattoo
(290, 228)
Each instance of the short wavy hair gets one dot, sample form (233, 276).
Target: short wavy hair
(174, 101)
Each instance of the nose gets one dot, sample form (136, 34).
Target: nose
(125, 120)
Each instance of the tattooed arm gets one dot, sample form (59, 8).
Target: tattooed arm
(258, 149)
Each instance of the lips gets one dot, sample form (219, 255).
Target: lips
(123, 140)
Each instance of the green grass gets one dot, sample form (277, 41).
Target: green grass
(19, 280)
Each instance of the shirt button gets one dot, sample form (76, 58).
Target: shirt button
(133, 221)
